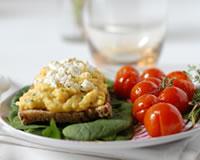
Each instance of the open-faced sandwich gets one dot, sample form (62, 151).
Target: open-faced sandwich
(72, 100)
(67, 91)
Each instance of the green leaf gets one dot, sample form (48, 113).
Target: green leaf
(95, 130)
(18, 95)
(109, 138)
(16, 123)
(101, 128)
(13, 113)
(52, 131)
(126, 134)
(116, 102)
(123, 135)
(34, 131)
(14, 108)
(109, 83)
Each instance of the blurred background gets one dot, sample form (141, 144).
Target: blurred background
(35, 29)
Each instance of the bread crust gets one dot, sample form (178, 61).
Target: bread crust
(34, 116)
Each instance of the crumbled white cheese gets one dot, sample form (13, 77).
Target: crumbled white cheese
(74, 70)
(65, 72)
(86, 85)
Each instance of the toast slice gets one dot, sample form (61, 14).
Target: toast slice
(34, 116)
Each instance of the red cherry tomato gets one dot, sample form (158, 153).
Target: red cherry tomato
(175, 96)
(143, 87)
(186, 86)
(142, 104)
(163, 119)
(179, 75)
(155, 80)
(126, 69)
(125, 79)
(152, 72)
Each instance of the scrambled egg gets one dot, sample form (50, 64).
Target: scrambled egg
(65, 86)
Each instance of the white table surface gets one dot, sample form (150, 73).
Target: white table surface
(30, 36)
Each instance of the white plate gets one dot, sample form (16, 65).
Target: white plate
(79, 145)
(68, 144)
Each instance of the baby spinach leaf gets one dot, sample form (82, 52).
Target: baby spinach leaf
(123, 135)
(13, 113)
(18, 95)
(95, 130)
(109, 83)
(101, 128)
(16, 123)
(14, 108)
(52, 131)
(116, 102)
(34, 131)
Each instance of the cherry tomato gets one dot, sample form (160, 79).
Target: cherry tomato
(179, 75)
(125, 79)
(175, 96)
(152, 72)
(143, 87)
(186, 86)
(142, 104)
(126, 69)
(163, 119)
(154, 80)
